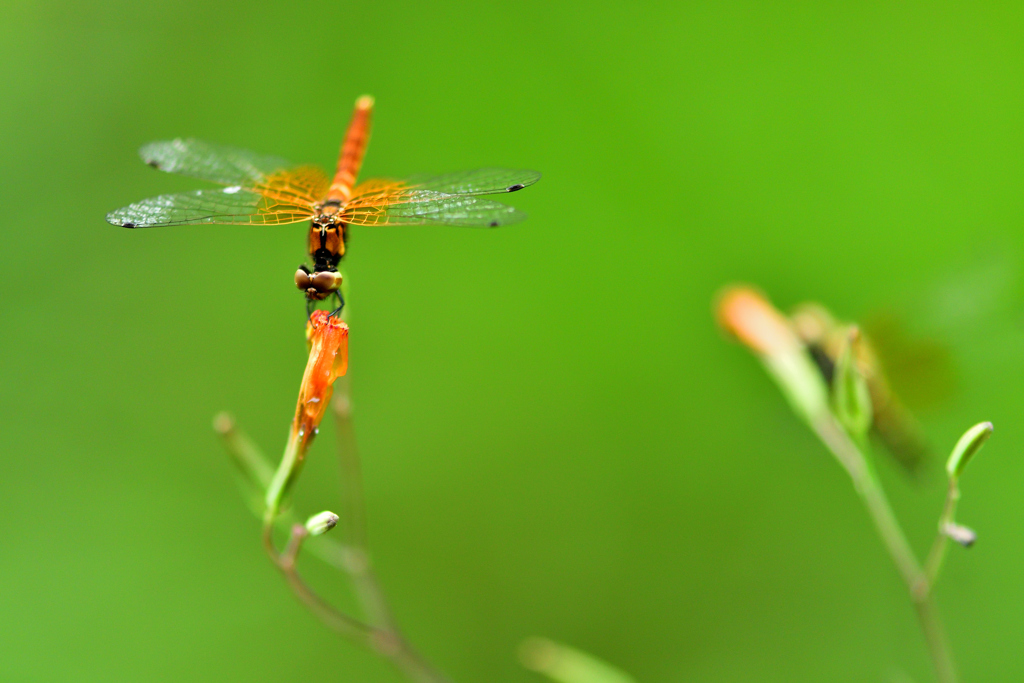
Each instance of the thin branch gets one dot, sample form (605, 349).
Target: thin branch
(918, 582)
(357, 557)
(335, 619)
(254, 473)
(933, 564)
(386, 643)
(247, 456)
(381, 636)
(351, 470)
(856, 465)
(328, 358)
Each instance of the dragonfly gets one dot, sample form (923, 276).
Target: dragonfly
(267, 190)
(892, 423)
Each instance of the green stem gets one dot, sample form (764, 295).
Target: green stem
(937, 554)
(287, 471)
(286, 561)
(918, 583)
(351, 469)
(357, 556)
(255, 474)
(246, 454)
(384, 642)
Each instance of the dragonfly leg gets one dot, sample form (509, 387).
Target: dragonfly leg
(341, 304)
(309, 308)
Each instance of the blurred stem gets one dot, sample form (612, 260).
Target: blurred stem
(933, 564)
(381, 634)
(286, 561)
(866, 485)
(918, 582)
(357, 557)
(564, 664)
(351, 471)
(247, 456)
(255, 473)
(385, 642)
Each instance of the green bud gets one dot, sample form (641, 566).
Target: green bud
(965, 536)
(851, 398)
(321, 523)
(969, 444)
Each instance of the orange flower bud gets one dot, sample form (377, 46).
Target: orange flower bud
(750, 317)
(328, 360)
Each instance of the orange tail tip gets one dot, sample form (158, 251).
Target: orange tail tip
(365, 102)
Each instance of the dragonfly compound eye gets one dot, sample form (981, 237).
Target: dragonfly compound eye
(327, 281)
(303, 280)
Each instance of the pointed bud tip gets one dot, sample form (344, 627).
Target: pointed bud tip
(321, 523)
(969, 444)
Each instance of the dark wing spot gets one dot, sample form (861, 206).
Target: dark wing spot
(515, 187)
(128, 225)
(153, 163)
(492, 224)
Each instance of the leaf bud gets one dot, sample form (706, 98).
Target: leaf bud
(969, 444)
(321, 523)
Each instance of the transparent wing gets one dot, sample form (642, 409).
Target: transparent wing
(478, 181)
(304, 186)
(231, 205)
(216, 163)
(384, 203)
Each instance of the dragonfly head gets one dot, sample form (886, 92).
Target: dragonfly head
(318, 286)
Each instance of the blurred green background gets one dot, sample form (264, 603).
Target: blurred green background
(556, 438)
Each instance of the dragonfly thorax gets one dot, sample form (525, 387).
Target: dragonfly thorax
(326, 242)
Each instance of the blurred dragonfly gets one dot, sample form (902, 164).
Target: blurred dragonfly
(892, 423)
(266, 190)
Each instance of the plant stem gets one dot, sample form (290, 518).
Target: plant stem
(255, 473)
(287, 471)
(938, 552)
(351, 470)
(918, 582)
(339, 621)
(357, 557)
(246, 454)
(385, 642)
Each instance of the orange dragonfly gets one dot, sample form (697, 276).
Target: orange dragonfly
(266, 190)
